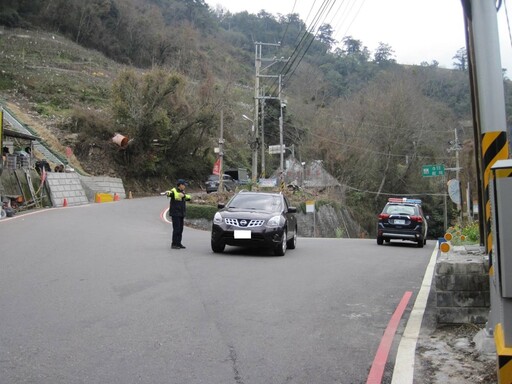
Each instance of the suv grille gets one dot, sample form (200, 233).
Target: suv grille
(244, 223)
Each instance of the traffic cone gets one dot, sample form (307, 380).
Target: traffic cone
(130, 195)
(116, 197)
(65, 202)
(97, 198)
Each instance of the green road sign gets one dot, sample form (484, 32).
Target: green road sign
(433, 170)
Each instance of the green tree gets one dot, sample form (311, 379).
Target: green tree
(384, 54)
(325, 35)
(145, 107)
(461, 60)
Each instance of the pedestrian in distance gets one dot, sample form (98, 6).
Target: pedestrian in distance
(177, 211)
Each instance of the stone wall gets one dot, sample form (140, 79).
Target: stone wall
(66, 188)
(462, 286)
(102, 184)
(80, 190)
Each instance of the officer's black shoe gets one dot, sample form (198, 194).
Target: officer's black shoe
(182, 246)
(175, 246)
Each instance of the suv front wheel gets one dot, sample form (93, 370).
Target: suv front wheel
(280, 249)
(292, 243)
(218, 246)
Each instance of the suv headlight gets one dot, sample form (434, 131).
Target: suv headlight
(274, 221)
(217, 219)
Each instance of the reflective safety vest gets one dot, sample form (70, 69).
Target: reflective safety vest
(177, 205)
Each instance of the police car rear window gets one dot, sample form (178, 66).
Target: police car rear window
(403, 209)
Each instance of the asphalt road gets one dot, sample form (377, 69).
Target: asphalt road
(94, 294)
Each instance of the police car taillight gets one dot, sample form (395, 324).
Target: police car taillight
(418, 219)
(383, 216)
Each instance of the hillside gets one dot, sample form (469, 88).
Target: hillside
(44, 77)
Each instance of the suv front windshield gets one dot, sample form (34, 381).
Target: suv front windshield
(256, 202)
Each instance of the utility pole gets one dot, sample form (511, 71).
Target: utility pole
(281, 153)
(487, 91)
(263, 170)
(257, 96)
(255, 139)
(489, 116)
(221, 152)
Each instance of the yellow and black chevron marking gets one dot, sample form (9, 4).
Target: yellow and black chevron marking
(504, 369)
(504, 356)
(494, 148)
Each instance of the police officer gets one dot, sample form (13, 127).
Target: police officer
(177, 210)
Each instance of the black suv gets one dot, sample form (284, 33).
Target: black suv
(402, 219)
(255, 219)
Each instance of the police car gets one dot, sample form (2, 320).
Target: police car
(402, 219)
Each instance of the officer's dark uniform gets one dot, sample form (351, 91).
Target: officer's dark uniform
(177, 211)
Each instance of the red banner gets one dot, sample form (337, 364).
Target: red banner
(216, 167)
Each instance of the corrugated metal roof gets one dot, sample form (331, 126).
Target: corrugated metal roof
(10, 133)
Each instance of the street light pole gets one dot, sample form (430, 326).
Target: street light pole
(221, 152)
(257, 65)
(281, 130)
(263, 170)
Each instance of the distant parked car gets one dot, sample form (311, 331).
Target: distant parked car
(212, 184)
(255, 219)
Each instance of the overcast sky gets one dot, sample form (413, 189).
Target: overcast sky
(417, 30)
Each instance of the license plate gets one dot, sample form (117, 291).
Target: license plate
(242, 234)
(400, 222)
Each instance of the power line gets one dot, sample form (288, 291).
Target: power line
(393, 194)
(366, 149)
(303, 43)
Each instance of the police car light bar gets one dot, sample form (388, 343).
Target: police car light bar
(404, 200)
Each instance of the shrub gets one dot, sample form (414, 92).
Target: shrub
(472, 232)
(469, 234)
(195, 211)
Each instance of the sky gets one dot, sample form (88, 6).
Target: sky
(417, 30)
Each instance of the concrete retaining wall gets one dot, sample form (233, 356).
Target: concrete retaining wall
(103, 184)
(63, 185)
(462, 286)
(80, 190)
